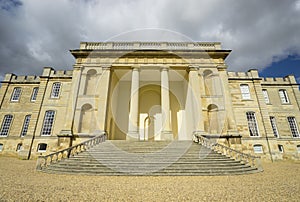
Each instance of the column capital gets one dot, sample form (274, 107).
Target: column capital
(136, 68)
(164, 68)
(193, 67)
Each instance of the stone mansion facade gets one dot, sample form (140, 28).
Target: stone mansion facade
(150, 91)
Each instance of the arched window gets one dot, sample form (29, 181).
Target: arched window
(6, 123)
(25, 125)
(48, 123)
(252, 124)
(19, 147)
(280, 148)
(34, 94)
(258, 149)
(42, 147)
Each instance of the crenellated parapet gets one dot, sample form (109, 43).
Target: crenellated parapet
(250, 75)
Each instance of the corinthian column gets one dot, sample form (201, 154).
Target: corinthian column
(166, 133)
(133, 129)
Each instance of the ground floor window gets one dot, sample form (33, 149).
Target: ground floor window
(19, 147)
(1, 146)
(42, 147)
(258, 149)
(280, 148)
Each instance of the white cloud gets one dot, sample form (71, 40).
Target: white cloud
(40, 33)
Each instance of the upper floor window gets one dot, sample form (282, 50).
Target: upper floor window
(48, 122)
(25, 125)
(266, 96)
(245, 92)
(274, 126)
(293, 126)
(252, 124)
(34, 94)
(6, 125)
(16, 94)
(55, 90)
(283, 96)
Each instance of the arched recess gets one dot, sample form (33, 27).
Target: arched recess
(87, 122)
(91, 81)
(212, 125)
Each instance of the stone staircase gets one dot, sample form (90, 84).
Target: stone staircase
(118, 157)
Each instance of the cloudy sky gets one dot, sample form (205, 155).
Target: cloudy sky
(263, 34)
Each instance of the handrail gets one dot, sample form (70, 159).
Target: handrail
(253, 161)
(45, 161)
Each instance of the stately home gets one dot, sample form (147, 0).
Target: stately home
(150, 91)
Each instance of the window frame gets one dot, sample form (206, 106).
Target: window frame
(283, 95)
(266, 96)
(256, 151)
(4, 126)
(34, 94)
(25, 125)
(252, 124)
(55, 91)
(16, 94)
(293, 126)
(39, 147)
(48, 123)
(274, 126)
(245, 92)
(280, 148)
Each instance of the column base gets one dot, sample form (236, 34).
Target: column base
(166, 135)
(133, 136)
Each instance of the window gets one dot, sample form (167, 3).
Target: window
(252, 124)
(274, 126)
(293, 126)
(6, 125)
(19, 147)
(266, 96)
(48, 122)
(245, 92)
(16, 94)
(1, 147)
(34, 94)
(55, 90)
(280, 148)
(283, 96)
(42, 147)
(258, 149)
(298, 148)
(25, 125)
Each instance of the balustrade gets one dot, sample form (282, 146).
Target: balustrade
(44, 161)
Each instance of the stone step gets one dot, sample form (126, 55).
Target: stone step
(149, 158)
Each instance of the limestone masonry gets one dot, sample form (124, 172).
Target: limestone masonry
(150, 91)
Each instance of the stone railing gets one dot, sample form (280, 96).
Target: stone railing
(150, 46)
(44, 161)
(253, 161)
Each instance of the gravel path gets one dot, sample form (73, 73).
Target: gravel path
(20, 182)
